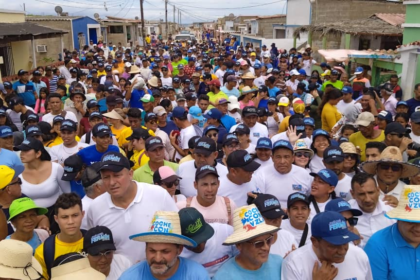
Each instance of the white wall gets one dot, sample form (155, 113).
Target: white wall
(228, 25)
(298, 12)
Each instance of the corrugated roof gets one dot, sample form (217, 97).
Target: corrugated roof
(25, 29)
(109, 18)
(54, 18)
(393, 19)
(12, 11)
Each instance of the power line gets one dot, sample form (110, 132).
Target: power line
(126, 3)
(235, 8)
(128, 8)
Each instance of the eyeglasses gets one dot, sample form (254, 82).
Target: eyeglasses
(352, 221)
(152, 122)
(303, 154)
(18, 182)
(212, 135)
(395, 167)
(232, 146)
(350, 156)
(171, 184)
(106, 254)
(399, 135)
(260, 243)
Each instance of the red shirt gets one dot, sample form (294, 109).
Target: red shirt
(189, 70)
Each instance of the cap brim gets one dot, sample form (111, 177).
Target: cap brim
(7, 135)
(22, 148)
(157, 237)
(205, 235)
(100, 134)
(154, 146)
(171, 178)
(113, 168)
(251, 167)
(69, 176)
(202, 152)
(337, 158)
(273, 213)
(95, 250)
(342, 239)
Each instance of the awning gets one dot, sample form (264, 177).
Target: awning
(23, 31)
(344, 55)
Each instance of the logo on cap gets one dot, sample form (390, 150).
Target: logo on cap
(282, 143)
(26, 142)
(207, 167)
(265, 142)
(298, 195)
(271, 202)
(100, 237)
(334, 153)
(325, 173)
(250, 218)
(204, 145)
(247, 157)
(161, 225)
(111, 158)
(68, 169)
(193, 228)
(229, 136)
(337, 224)
(67, 123)
(103, 127)
(300, 127)
(155, 140)
(343, 204)
(6, 130)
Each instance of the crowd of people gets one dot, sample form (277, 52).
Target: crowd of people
(193, 160)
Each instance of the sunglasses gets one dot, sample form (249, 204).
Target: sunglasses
(399, 135)
(171, 184)
(394, 168)
(106, 254)
(18, 182)
(259, 244)
(212, 135)
(152, 122)
(352, 221)
(303, 154)
(350, 156)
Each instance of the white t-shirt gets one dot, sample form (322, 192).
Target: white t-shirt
(316, 164)
(118, 266)
(343, 188)
(414, 137)
(257, 131)
(236, 116)
(186, 171)
(60, 153)
(86, 202)
(166, 81)
(273, 126)
(299, 265)
(342, 106)
(92, 142)
(263, 164)
(215, 254)
(50, 117)
(282, 185)
(219, 74)
(307, 66)
(297, 233)
(251, 149)
(238, 193)
(283, 245)
(185, 135)
(293, 85)
(125, 222)
(321, 207)
(15, 117)
(283, 136)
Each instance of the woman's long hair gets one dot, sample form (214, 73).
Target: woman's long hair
(330, 94)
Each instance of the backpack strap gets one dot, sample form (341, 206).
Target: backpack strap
(229, 209)
(189, 199)
(49, 252)
(88, 135)
(304, 236)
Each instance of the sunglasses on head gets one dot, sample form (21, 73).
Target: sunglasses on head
(395, 167)
(303, 154)
(171, 184)
(352, 221)
(259, 244)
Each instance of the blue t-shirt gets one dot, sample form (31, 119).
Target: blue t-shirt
(272, 92)
(412, 105)
(187, 270)
(34, 242)
(232, 271)
(222, 133)
(228, 122)
(263, 103)
(77, 187)
(26, 92)
(170, 125)
(136, 95)
(90, 155)
(102, 105)
(234, 91)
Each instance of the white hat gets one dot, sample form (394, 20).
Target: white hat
(153, 81)
(134, 70)
(234, 103)
(140, 83)
(365, 119)
(115, 71)
(284, 101)
(266, 55)
(300, 146)
(294, 72)
(73, 61)
(79, 269)
(127, 64)
(113, 115)
(248, 223)
(17, 262)
(159, 111)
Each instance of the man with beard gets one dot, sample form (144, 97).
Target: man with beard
(334, 160)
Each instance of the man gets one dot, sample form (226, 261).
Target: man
(271, 86)
(209, 251)
(388, 170)
(396, 89)
(392, 250)
(155, 151)
(18, 112)
(25, 89)
(101, 134)
(329, 256)
(99, 246)
(134, 116)
(226, 120)
(73, 168)
(395, 136)
(388, 100)
(347, 99)
(249, 118)
(334, 160)
(151, 122)
(359, 83)
(415, 127)
(205, 153)
(414, 102)
(36, 80)
(163, 124)
(334, 81)
(239, 180)
(374, 150)
(6, 138)
(68, 213)
(292, 177)
(163, 251)
(366, 133)
(76, 104)
(253, 238)
(230, 86)
(70, 146)
(180, 143)
(215, 208)
(215, 93)
(55, 103)
(366, 199)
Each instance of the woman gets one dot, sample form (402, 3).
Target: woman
(116, 118)
(243, 132)
(351, 159)
(41, 179)
(246, 97)
(273, 121)
(213, 133)
(328, 110)
(167, 179)
(5, 120)
(302, 154)
(322, 191)
(403, 119)
(320, 141)
(85, 127)
(280, 79)
(263, 152)
(24, 218)
(229, 145)
(315, 73)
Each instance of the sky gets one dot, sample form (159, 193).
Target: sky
(192, 11)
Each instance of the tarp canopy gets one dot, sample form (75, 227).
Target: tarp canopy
(344, 55)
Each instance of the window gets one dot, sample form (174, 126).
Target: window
(116, 29)
(364, 44)
(280, 33)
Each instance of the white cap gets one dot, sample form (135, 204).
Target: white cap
(284, 101)
(365, 119)
(294, 72)
(73, 61)
(266, 55)
(234, 103)
(127, 64)
(159, 110)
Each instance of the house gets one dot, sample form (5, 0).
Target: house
(121, 30)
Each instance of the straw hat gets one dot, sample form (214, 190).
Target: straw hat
(17, 262)
(114, 115)
(153, 81)
(134, 70)
(408, 208)
(79, 269)
(300, 146)
(248, 75)
(248, 224)
(164, 228)
(392, 155)
(247, 89)
(348, 148)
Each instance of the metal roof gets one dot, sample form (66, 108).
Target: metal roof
(52, 18)
(393, 19)
(12, 11)
(26, 31)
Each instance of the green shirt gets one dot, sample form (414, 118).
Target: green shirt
(337, 84)
(145, 175)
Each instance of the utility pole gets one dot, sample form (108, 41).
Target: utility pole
(174, 24)
(142, 22)
(166, 19)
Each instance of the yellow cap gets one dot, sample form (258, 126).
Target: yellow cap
(6, 176)
(253, 54)
(326, 73)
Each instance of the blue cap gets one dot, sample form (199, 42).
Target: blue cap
(230, 71)
(33, 130)
(263, 46)
(415, 117)
(359, 70)
(5, 131)
(319, 132)
(264, 143)
(340, 205)
(347, 90)
(302, 72)
(179, 112)
(385, 115)
(191, 59)
(196, 112)
(404, 103)
(323, 64)
(282, 144)
(3, 112)
(58, 119)
(213, 114)
(309, 121)
(333, 154)
(154, 65)
(208, 128)
(189, 51)
(328, 176)
(257, 66)
(198, 68)
(332, 227)
(181, 66)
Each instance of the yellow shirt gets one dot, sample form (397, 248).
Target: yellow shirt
(61, 248)
(58, 140)
(214, 98)
(284, 124)
(101, 73)
(329, 117)
(185, 159)
(359, 140)
(126, 132)
(139, 158)
(148, 40)
(117, 132)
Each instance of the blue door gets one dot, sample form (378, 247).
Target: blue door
(92, 35)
